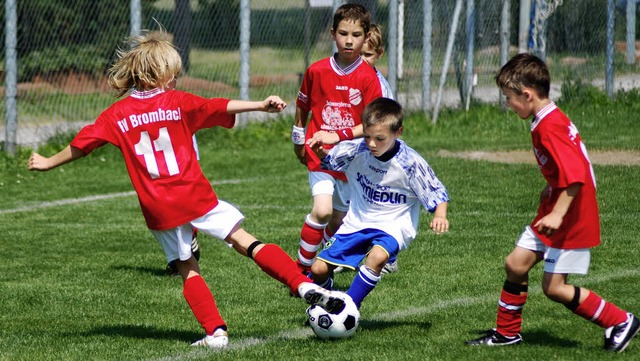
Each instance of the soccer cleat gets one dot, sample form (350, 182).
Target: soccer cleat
(617, 338)
(316, 295)
(219, 339)
(391, 267)
(494, 338)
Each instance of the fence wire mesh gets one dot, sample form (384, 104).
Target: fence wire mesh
(65, 46)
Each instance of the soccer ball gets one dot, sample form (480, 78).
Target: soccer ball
(326, 325)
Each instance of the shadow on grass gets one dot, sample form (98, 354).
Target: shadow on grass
(160, 271)
(543, 338)
(143, 332)
(381, 325)
(540, 338)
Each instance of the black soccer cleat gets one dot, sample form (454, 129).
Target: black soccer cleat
(325, 299)
(618, 337)
(494, 338)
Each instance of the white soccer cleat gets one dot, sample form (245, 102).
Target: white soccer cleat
(219, 339)
(316, 295)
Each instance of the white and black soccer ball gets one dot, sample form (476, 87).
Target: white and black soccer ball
(327, 325)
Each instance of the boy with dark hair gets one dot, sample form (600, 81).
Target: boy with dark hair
(334, 91)
(567, 224)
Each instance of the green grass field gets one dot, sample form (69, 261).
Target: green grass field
(83, 279)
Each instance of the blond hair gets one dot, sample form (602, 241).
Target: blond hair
(150, 62)
(375, 41)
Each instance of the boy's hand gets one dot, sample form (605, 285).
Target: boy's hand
(439, 225)
(273, 104)
(38, 162)
(548, 224)
(317, 147)
(326, 137)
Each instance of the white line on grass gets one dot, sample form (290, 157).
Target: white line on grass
(67, 201)
(302, 333)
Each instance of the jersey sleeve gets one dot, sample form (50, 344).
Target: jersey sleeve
(94, 135)
(426, 185)
(341, 155)
(206, 112)
(303, 102)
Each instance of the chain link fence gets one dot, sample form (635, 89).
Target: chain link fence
(64, 47)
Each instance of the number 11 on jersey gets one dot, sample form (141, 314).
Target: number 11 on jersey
(148, 150)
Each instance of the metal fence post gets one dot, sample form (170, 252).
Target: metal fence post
(11, 76)
(245, 50)
(631, 32)
(427, 31)
(608, 83)
(393, 47)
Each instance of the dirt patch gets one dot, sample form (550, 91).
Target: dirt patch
(608, 157)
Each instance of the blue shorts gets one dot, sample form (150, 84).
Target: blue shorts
(348, 250)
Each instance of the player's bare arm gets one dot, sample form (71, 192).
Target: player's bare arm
(272, 104)
(335, 137)
(298, 136)
(552, 221)
(440, 223)
(40, 163)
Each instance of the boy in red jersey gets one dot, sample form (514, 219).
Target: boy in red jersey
(567, 224)
(335, 91)
(153, 128)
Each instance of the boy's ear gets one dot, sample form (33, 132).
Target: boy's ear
(527, 94)
(399, 132)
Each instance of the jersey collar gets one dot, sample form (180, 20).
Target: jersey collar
(542, 113)
(346, 70)
(146, 94)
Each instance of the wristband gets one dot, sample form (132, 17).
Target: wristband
(297, 135)
(345, 134)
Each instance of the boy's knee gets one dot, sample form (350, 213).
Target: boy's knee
(319, 270)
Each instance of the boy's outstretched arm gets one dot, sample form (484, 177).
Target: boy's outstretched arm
(68, 154)
(273, 104)
(440, 223)
(334, 137)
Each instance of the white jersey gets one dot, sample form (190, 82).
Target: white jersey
(386, 195)
(384, 84)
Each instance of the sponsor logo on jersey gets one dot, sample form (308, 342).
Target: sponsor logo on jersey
(159, 115)
(342, 87)
(376, 193)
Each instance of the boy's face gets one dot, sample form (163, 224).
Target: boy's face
(349, 38)
(369, 55)
(380, 138)
(520, 103)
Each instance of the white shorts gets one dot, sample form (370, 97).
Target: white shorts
(325, 183)
(218, 222)
(556, 260)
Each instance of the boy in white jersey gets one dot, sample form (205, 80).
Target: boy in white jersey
(388, 181)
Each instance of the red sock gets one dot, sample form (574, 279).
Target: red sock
(602, 313)
(509, 320)
(327, 235)
(310, 239)
(200, 299)
(276, 263)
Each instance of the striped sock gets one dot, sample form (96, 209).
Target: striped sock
(364, 282)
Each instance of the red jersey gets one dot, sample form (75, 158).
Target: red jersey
(154, 130)
(336, 98)
(563, 160)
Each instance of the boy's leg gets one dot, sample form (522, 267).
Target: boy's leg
(621, 326)
(275, 262)
(512, 300)
(311, 237)
(171, 269)
(368, 275)
(203, 305)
